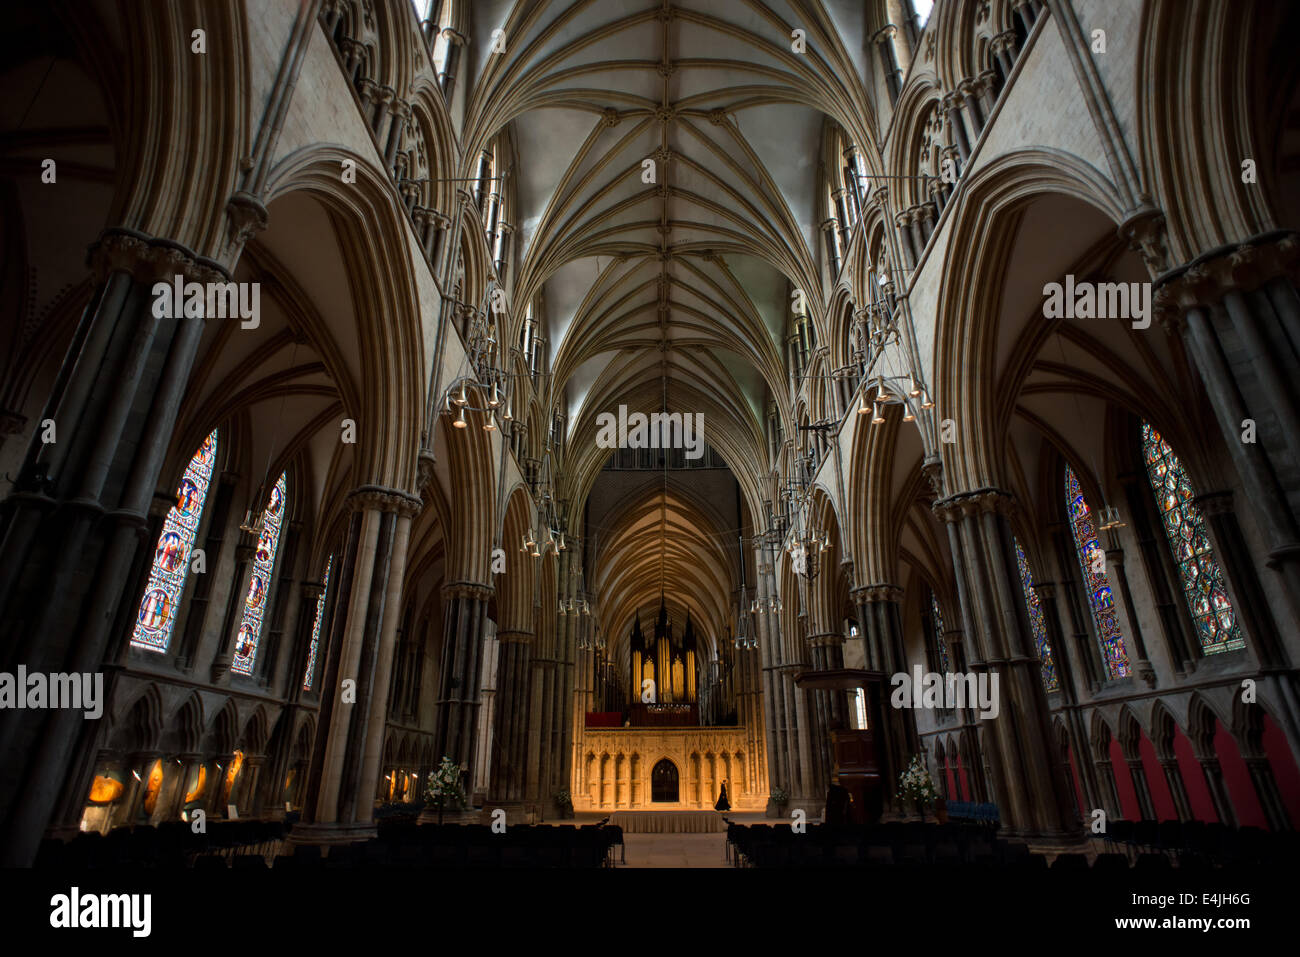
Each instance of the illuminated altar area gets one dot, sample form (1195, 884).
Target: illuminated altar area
(674, 749)
(666, 769)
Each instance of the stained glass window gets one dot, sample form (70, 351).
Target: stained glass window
(1203, 585)
(171, 559)
(1100, 599)
(1036, 623)
(315, 628)
(936, 618)
(259, 585)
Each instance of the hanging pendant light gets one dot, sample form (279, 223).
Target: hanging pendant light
(495, 400)
(1110, 519)
(927, 402)
(879, 417)
(490, 424)
(862, 403)
(460, 422)
(914, 390)
(909, 415)
(461, 398)
(254, 520)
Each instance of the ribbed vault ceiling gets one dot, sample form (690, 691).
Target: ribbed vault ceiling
(664, 540)
(684, 279)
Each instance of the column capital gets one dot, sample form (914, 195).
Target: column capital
(1144, 230)
(148, 259)
(885, 33)
(383, 499)
(467, 590)
(1242, 266)
(825, 639)
(1004, 40)
(962, 504)
(876, 592)
(514, 637)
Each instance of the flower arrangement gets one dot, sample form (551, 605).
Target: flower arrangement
(444, 786)
(915, 785)
(779, 797)
(564, 800)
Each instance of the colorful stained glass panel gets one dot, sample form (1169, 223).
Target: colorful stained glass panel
(259, 584)
(1203, 585)
(171, 561)
(1101, 601)
(315, 628)
(1036, 623)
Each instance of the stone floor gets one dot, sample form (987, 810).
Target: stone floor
(675, 850)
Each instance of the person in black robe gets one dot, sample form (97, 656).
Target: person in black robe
(838, 800)
(723, 804)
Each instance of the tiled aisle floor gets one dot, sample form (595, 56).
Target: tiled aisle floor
(675, 850)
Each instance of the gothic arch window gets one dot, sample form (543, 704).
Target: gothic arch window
(259, 583)
(315, 627)
(1036, 622)
(936, 625)
(156, 618)
(1101, 601)
(1203, 585)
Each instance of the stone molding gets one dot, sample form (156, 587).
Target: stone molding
(383, 499)
(149, 260)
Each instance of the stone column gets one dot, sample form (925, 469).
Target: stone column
(884, 40)
(244, 552)
(1141, 664)
(76, 522)
(1070, 710)
(879, 610)
(1032, 793)
(194, 611)
(1238, 312)
(245, 795)
(464, 608)
(1138, 773)
(348, 748)
(771, 660)
(1218, 789)
(1177, 788)
(448, 76)
(1270, 797)
(1004, 50)
(906, 238)
(508, 774)
(969, 92)
(952, 106)
(171, 801)
(283, 739)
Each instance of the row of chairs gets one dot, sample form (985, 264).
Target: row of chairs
(876, 851)
(1214, 843)
(972, 811)
(169, 844)
(852, 844)
(469, 846)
